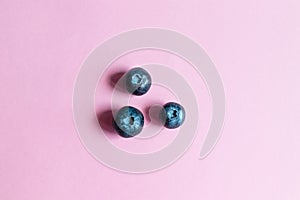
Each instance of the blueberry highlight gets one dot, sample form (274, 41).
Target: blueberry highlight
(172, 115)
(128, 121)
(138, 81)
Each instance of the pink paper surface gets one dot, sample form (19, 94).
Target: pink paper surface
(255, 46)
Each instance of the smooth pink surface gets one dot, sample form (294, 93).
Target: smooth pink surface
(255, 46)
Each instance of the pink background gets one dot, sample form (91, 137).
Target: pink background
(255, 46)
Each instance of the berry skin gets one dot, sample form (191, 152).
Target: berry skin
(172, 115)
(128, 121)
(138, 81)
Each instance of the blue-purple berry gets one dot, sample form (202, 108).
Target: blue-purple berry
(138, 81)
(128, 121)
(172, 115)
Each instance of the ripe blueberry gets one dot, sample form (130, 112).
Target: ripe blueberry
(172, 115)
(138, 81)
(128, 121)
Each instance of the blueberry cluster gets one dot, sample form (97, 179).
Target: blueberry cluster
(129, 121)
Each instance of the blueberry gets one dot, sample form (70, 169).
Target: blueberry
(172, 115)
(128, 121)
(138, 81)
